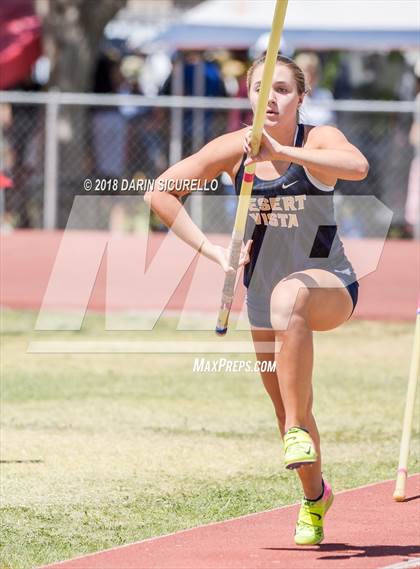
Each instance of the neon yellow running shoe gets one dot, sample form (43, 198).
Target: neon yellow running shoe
(309, 527)
(299, 448)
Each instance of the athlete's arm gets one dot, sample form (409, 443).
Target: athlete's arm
(327, 155)
(219, 155)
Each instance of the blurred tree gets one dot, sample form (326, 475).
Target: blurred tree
(73, 30)
(72, 36)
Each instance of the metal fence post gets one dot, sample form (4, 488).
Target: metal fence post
(175, 144)
(198, 138)
(51, 161)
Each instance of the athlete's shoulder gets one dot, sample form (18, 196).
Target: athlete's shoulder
(323, 136)
(229, 143)
(225, 150)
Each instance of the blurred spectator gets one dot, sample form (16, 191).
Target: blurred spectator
(24, 139)
(311, 113)
(6, 120)
(234, 72)
(155, 71)
(145, 136)
(210, 84)
(412, 206)
(109, 127)
(6, 162)
(108, 123)
(261, 45)
(213, 81)
(342, 82)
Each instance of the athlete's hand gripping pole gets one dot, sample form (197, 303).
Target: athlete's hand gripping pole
(248, 178)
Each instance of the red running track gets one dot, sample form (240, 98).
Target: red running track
(27, 258)
(365, 529)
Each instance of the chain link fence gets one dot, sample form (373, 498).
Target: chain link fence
(52, 142)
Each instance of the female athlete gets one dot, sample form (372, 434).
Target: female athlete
(297, 276)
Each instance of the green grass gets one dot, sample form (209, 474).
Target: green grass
(129, 446)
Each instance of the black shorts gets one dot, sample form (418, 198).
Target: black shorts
(259, 306)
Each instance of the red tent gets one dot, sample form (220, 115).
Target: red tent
(20, 41)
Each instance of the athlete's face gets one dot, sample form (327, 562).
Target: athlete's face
(283, 99)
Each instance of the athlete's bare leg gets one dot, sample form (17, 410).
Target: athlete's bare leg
(297, 309)
(310, 476)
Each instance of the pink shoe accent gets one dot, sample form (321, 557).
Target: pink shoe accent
(327, 491)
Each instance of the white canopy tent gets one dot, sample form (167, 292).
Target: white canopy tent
(310, 24)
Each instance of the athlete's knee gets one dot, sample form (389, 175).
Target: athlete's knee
(288, 308)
